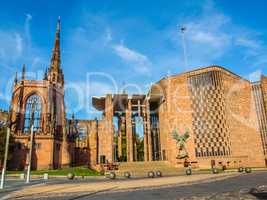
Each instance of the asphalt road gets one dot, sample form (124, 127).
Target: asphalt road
(231, 188)
(12, 185)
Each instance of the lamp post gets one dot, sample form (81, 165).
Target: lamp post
(5, 159)
(31, 146)
(183, 30)
(9, 124)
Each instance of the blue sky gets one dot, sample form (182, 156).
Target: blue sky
(110, 43)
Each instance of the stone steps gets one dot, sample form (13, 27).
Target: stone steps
(140, 169)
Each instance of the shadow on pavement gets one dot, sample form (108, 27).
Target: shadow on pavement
(258, 193)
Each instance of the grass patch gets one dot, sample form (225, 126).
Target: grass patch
(78, 171)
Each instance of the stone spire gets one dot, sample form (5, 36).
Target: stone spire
(55, 74)
(23, 72)
(45, 75)
(72, 116)
(16, 79)
(55, 61)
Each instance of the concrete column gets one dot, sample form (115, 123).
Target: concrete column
(129, 132)
(120, 125)
(149, 136)
(134, 138)
(135, 151)
(109, 130)
(92, 140)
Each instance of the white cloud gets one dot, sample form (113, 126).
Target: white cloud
(79, 95)
(255, 76)
(248, 43)
(11, 46)
(129, 54)
(139, 61)
(17, 48)
(209, 38)
(19, 45)
(100, 89)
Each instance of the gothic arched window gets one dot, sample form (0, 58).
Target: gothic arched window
(33, 109)
(82, 134)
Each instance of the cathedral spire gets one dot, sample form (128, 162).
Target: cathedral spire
(55, 60)
(55, 74)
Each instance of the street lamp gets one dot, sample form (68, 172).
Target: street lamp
(183, 30)
(5, 159)
(9, 124)
(31, 144)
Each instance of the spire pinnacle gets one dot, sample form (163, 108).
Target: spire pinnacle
(16, 78)
(23, 72)
(45, 74)
(72, 116)
(58, 24)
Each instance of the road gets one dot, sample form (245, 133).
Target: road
(12, 185)
(231, 188)
(224, 189)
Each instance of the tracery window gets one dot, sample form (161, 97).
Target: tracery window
(33, 105)
(82, 135)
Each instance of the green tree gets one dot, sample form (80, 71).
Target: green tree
(140, 147)
(3, 143)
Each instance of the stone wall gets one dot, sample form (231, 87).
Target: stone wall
(231, 136)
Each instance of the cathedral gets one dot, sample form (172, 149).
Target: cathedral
(206, 117)
(41, 103)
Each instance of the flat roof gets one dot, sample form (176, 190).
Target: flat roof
(120, 101)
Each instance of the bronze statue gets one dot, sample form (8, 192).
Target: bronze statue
(180, 143)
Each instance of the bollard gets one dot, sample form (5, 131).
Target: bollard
(70, 176)
(112, 175)
(151, 174)
(46, 177)
(248, 170)
(22, 176)
(158, 173)
(188, 171)
(215, 171)
(127, 175)
(240, 169)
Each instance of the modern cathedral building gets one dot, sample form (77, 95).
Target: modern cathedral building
(224, 115)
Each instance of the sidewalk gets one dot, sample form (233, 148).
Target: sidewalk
(68, 186)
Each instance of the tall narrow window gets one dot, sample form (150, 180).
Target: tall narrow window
(33, 105)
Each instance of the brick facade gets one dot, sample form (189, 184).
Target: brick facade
(218, 107)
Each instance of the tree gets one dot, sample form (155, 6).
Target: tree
(3, 131)
(140, 147)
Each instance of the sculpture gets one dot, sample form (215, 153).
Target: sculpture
(180, 143)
